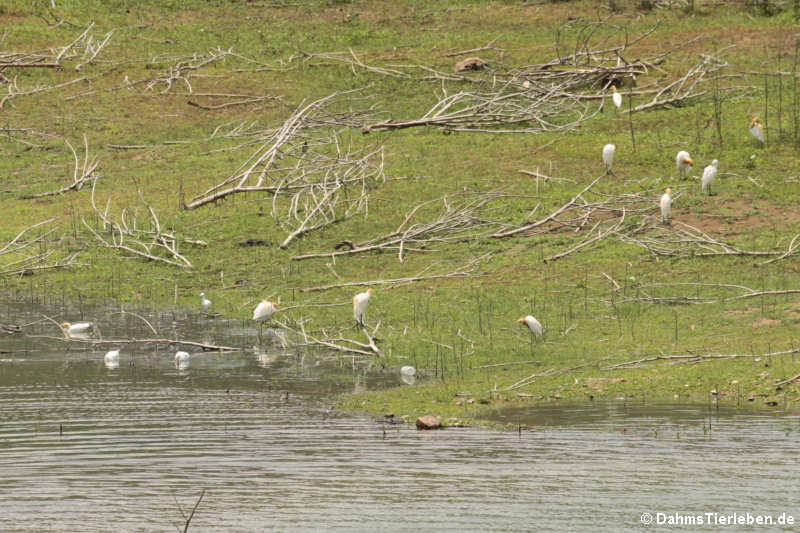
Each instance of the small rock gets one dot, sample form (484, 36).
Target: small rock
(484, 401)
(471, 401)
(429, 422)
(470, 63)
(459, 403)
(388, 415)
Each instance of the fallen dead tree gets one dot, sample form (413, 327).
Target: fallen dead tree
(27, 252)
(298, 155)
(456, 220)
(697, 357)
(82, 173)
(467, 270)
(126, 234)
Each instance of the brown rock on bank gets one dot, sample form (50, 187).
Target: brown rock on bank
(429, 422)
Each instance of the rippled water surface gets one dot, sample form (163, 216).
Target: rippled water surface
(86, 448)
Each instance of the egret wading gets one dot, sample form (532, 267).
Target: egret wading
(205, 303)
(79, 329)
(264, 312)
(666, 205)
(709, 174)
(360, 303)
(608, 157)
(684, 162)
(111, 359)
(182, 360)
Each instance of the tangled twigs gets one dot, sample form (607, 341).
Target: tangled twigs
(683, 240)
(454, 222)
(81, 174)
(552, 216)
(687, 86)
(290, 158)
(467, 270)
(694, 357)
(28, 255)
(152, 242)
(488, 111)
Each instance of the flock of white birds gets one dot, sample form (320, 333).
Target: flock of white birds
(266, 309)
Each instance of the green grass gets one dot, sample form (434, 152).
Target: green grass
(590, 324)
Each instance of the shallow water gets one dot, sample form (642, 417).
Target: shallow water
(85, 448)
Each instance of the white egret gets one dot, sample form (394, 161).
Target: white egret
(709, 173)
(407, 374)
(112, 359)
(205, 303)
(533, 325)
(616, 97)
(608, 156)
(79, 329)
(683, 161)
(666, 205)
(264, 310)
(182, 360)
(360, 303)
(756, 129)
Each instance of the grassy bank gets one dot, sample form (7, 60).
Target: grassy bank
(183, 94)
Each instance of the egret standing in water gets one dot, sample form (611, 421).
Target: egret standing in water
(79, 329)
(360, 303)
(182, 360)
(205, 303)
(608, 157)
(684, 162)
(616, 97)
(709, 173)
(112, 359)
(666, 205)
(264, 310)
(756, 129)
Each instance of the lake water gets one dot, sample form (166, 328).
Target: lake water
(84, 448)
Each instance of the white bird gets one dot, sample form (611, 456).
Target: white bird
(205, 303)
(112, 359)
(77, 329)
(264, 310)
(532, 323)
(526, 84)
(182, 360)
(616, 97)
(756, 129)
(360, 303)
(608, 156)
(709, 173)
(666, 205)
(407, 374)
(683, 161)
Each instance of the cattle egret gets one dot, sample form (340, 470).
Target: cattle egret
(608, 156)
(182, 360)
(532, 323)
(526, 84)
(264, 310)
(205, 303)
(112, 359)
(407, 374)
(666, 205)
(756, 129)
(683, 161)
(616, 97)
(76, 330)
(360, 303)
(709, 173)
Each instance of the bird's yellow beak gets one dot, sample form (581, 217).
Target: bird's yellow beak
(522, 320)
(65, 325)
(275, 305)
(690, 162)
